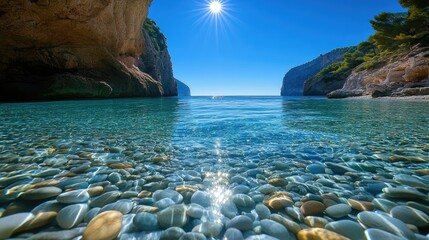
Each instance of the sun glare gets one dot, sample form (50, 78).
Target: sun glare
(215, 7)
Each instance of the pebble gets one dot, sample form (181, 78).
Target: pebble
(386, 223)
(377, 234)
(195, 211)
(169, 194)
(58, 235)
(243, 223)
(174, 216)
(229, 210)
(209, 229)
(338, 210)
(242, 200)
(105, 198)
(124, 206)
(317, 222)
(262, 211)
(41, 193)
(173, 233)
(405, 194)
(274, 229)
(72, 215)
(105, 226)
(72, 197)
(91, 214)
(361, 205)
(312, 208)
(10, 223)
(315, 168)
(261, 237)
(347, 228)
(319, 234)
(384, 204)
(146, 221)
(267, 189)
(410, 180)
(164, 203)
(278, 200)
(40, 220)
(201, 198)
(233, 234)
(193, 236)
(289, 224)
(410, 216)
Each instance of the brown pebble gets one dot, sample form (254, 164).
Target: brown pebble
(95, 191)
(312, 208)
(105, 226)
(319, 234)
(361, 205)
(278, 200)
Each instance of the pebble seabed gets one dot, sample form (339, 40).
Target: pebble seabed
(101, 187)
(90, 199)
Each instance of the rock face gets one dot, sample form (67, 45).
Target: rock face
(293, 82)
(73, 49)
(182, 89)
(406, 76)
(156, 60)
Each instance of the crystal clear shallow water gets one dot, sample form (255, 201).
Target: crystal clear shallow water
(216, 139)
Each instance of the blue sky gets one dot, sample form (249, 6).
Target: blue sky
(253, 43)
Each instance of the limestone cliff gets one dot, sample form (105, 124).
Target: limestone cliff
(155, 59)
(293, 81)
(402, 75)
(182, 89)
(72, 49)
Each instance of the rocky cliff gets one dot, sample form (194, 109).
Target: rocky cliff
(72, 49)
(403, 74)
(293, 81)
(155, 59)
(182, 89)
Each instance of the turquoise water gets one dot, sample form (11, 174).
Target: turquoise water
(202, 135)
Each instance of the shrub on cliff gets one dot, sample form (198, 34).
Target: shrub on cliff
(158, 38)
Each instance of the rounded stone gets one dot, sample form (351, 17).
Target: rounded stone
(10, 223)
(243, 223)
(361, 205)
(386, 223)
(41, 193)
(319, 234)
(315, 168)
(233, 234)
(201, 198)
(347, 228)
(377, 234)
(262, 211)
(278, 200)
(312, 208)
(338, 210)
(105, 226)
(76, 196)
(410, 216)
(164, 203)
(174, 216)
(229, 210)
(193, 236)
(274, 229)
(146, 221)
(317, 222)
(105, 198)
(383, 204)
(40, 220)
(123, 206)
(267, 189)
(209, 229)
(242, 200)
(195, 211)
(91, 214)
(167, 193)
(405, 194)
(72, 215)
(289, 224)
(173, 233)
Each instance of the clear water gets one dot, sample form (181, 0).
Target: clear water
(213, 135)
(242, 128)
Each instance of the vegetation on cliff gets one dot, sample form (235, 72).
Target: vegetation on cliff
(395, 34)
(158, 38)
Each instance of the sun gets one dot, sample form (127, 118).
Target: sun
(215, 7)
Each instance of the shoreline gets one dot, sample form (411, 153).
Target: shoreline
(407, 98)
